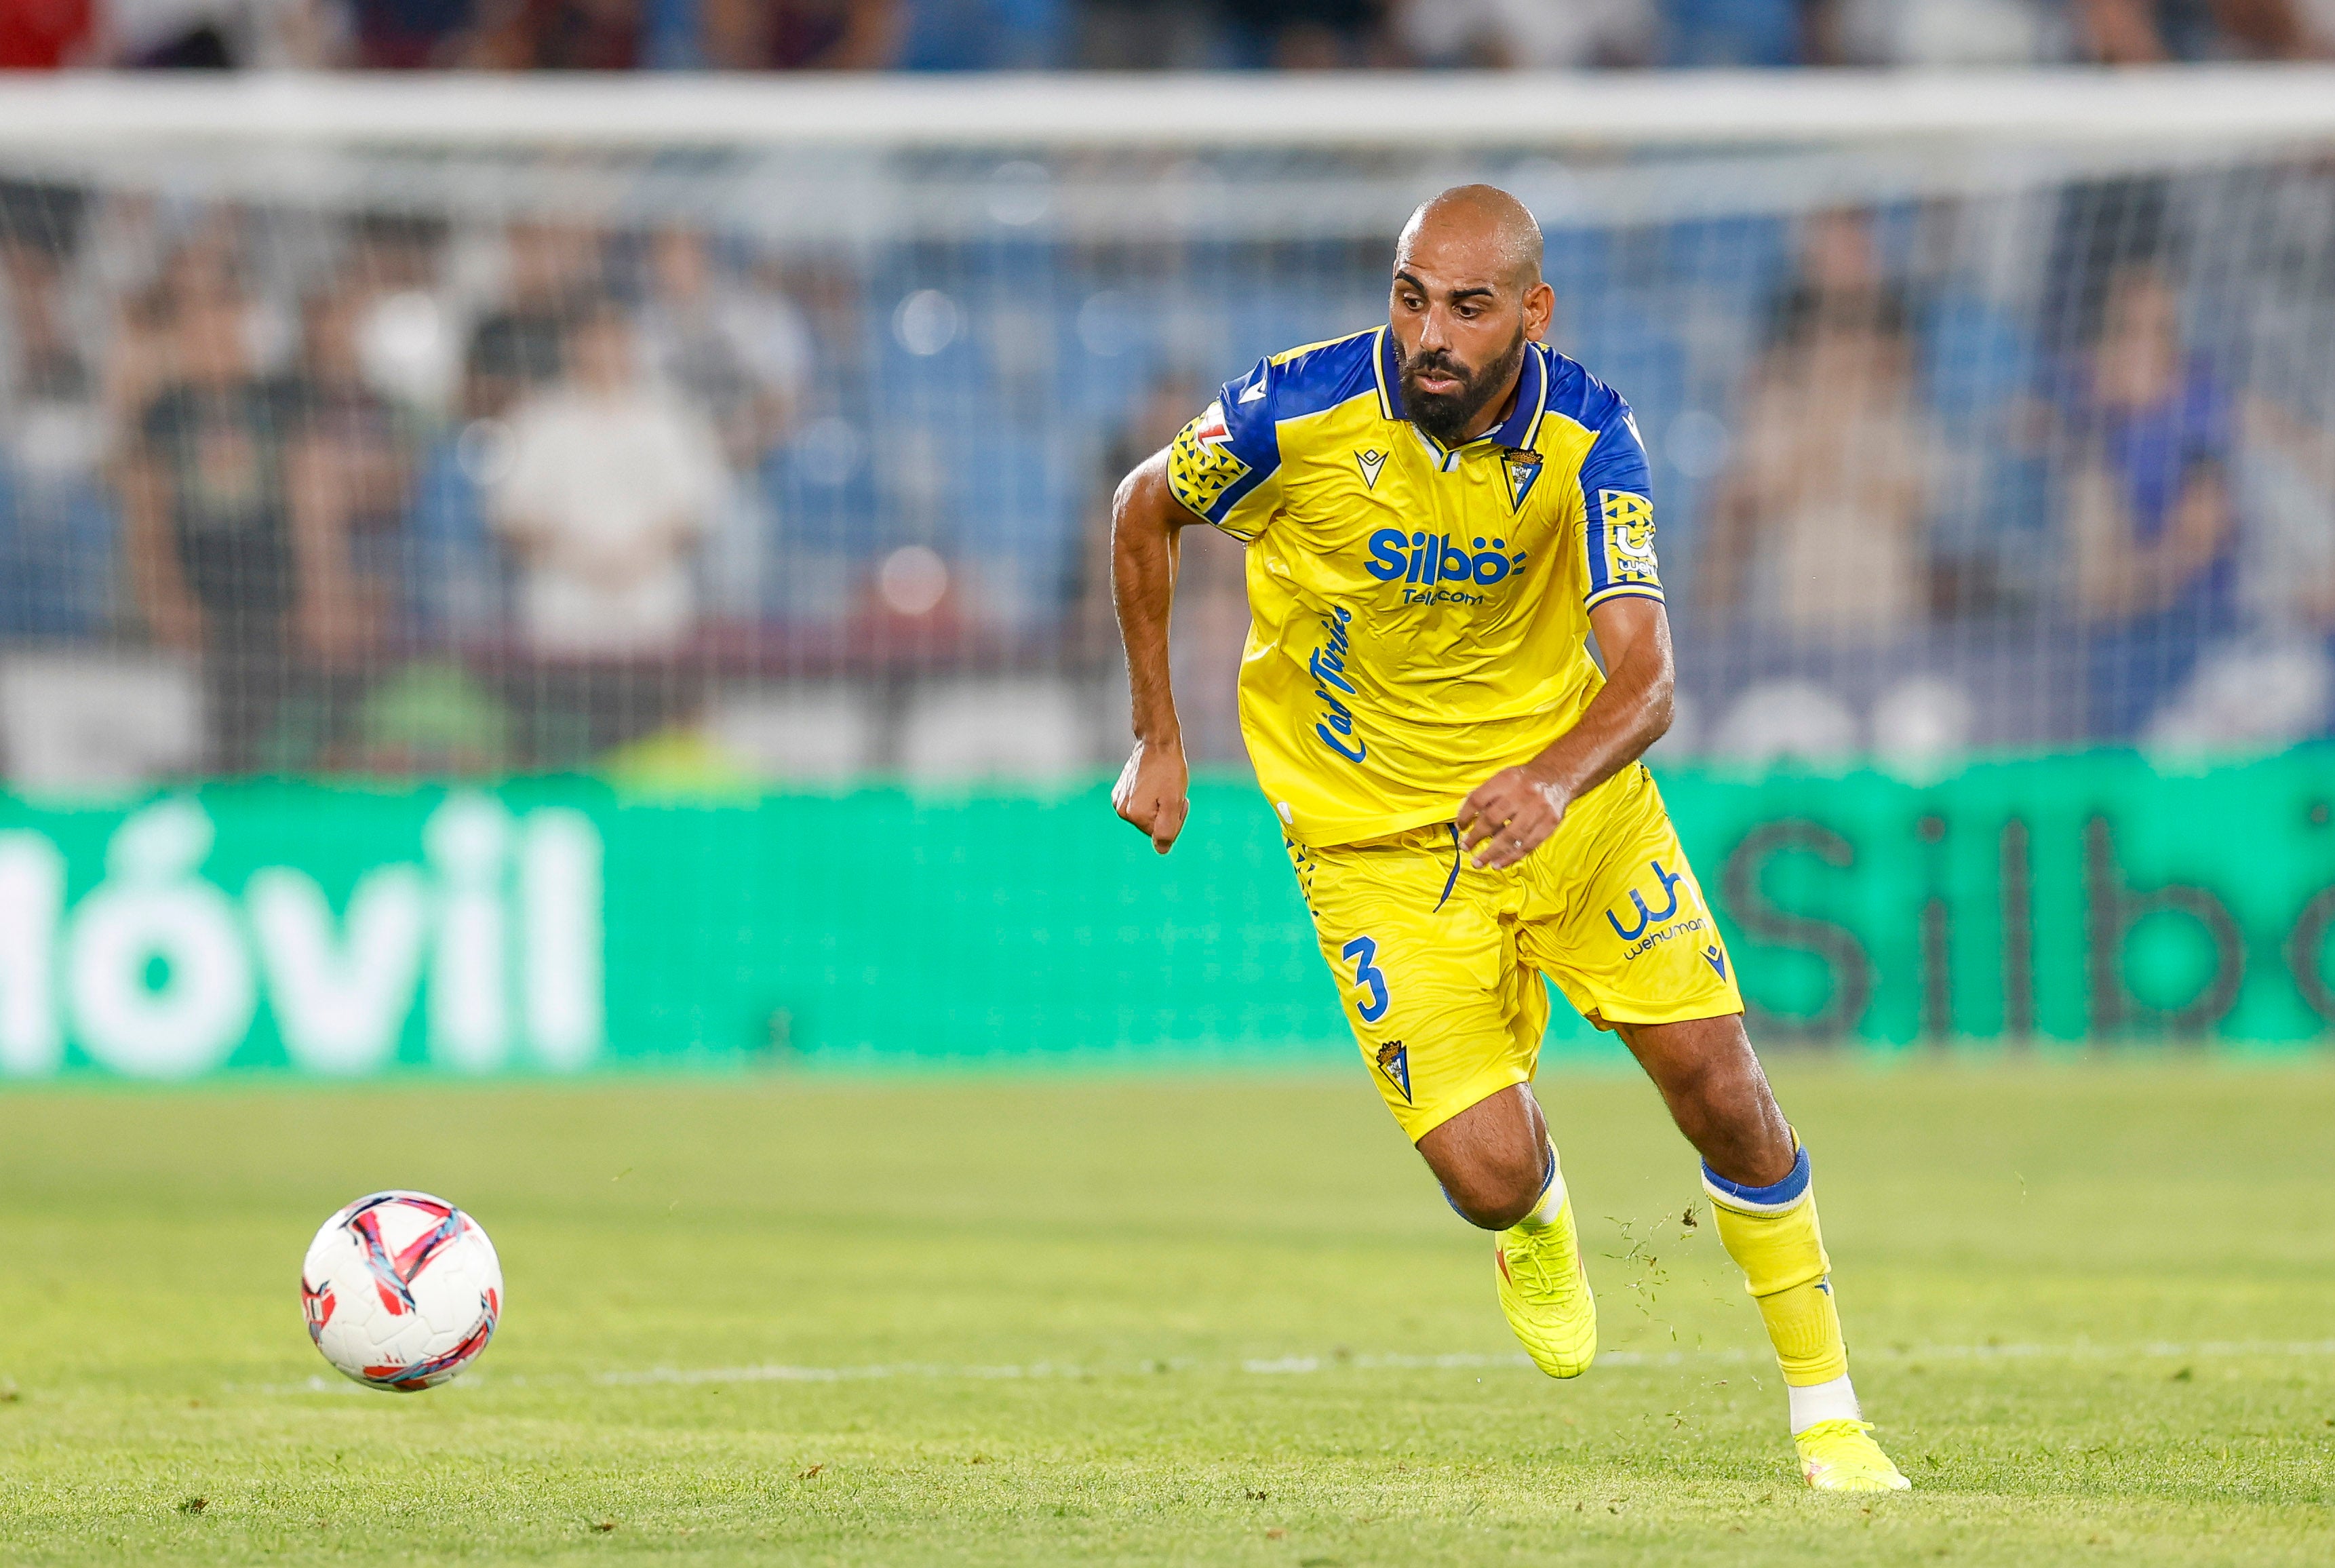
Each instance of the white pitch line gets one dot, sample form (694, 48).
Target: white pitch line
(1302, 1366)
(788, 1374)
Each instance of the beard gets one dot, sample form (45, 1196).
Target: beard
(1449, 416)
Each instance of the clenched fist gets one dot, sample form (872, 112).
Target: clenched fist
(1151, 791)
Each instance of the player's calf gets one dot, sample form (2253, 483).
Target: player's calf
(1711, 1082)
(1500, 1171)
(1763, 1200)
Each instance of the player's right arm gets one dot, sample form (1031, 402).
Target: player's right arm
(1146, 519)
(1223, 467)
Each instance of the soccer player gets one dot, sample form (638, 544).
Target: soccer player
(1438, 512)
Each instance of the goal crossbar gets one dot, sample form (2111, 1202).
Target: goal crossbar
(1559, 112)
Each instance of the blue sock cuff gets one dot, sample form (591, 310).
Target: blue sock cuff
(1774, 1199)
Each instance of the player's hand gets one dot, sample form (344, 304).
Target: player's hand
(1508, 816)
(1151, 791)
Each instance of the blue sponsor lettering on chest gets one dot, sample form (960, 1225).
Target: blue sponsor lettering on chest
(1427, 559)
(1327, 665)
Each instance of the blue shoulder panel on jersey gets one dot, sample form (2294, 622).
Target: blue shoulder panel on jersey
(1283, 387)
(1617, 459)
(1247, 405)
(1581, 397)
(1617, 462)
(1323, 377)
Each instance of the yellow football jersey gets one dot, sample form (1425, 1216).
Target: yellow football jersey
(1418, 614)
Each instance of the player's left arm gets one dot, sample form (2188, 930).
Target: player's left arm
(1512, 813)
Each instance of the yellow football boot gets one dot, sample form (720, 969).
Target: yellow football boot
(1838, 1457)
(1545, 1292)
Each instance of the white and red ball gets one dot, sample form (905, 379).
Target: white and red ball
(401, 1291)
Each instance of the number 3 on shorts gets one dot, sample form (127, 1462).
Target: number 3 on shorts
(1365, 952)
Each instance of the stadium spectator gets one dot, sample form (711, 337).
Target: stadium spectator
(357, 449)
(47, 34)
(2272, 683)
(231, 554)
(49, 331)
(56, 530)
(559, 36)
(1145, 36)
(2286, 477)
(1307, 34)
(984, 35)
(1937, 32)
(2285, 481)
(2317, 18)
(2147, 430)
(1122, 34)
(1530, 35)
(800, 34)
(1819, 525)
(744, 354)
(407, 35)
(549, 272)
(1736, 32)
(2152, 31)
(613, 482)
(215, 34)
(456, 581)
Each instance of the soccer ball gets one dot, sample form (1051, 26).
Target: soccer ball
(401, 1291)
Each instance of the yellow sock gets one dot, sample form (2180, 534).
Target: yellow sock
(1772, 1234)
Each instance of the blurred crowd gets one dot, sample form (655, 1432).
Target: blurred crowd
(1121, 35)
(417, 494)
(294, 453)
(1963, 476)
(2128, 469)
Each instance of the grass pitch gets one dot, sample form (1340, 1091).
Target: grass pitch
(1216, 1320)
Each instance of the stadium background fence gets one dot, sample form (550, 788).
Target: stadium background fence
(556, 925)
(1993, 439)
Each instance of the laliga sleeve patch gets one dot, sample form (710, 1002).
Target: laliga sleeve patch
(1201, 464)
(1622, 558)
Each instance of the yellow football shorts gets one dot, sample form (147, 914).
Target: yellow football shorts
(1439, 962)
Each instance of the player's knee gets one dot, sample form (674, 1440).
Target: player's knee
(1487, 1214)
(1493, 1195)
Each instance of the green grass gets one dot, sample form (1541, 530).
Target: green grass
(1206, 1320)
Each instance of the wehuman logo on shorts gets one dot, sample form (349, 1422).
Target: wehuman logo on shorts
(1650, 927)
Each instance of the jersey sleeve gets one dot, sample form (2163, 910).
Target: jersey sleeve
(1617, 499)
(1225, 465)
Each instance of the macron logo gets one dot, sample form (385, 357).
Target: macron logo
(1253, 392)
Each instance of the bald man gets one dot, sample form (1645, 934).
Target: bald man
(1438, 512)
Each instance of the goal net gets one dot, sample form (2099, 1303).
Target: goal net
(656, 529)
(467, 427)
